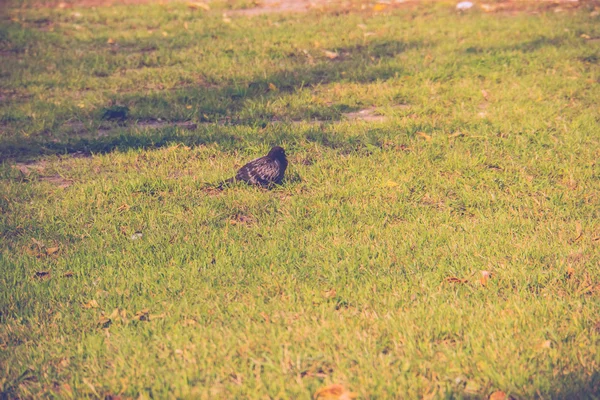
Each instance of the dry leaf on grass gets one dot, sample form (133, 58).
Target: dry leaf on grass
(329, 294)
(424, 136)
(332, 55)
(570, 272)
(453, 279)
(91, 304)
(485, 277)
(104, 322)
(334, 392)
(51, 250)
(142, 315)
(196, 5)
(499, 395)
(272, 87)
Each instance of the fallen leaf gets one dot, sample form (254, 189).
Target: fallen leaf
(570, 272)
(23, 169)
(226, 19)
(165, 34)
(485, 94)
(456, 134)
(583, 35)
(485, 276)
(42, 274)
(265, 317)
(110, 41)
(114, 314)
(390, 184)
(51, 250)
(123, 207)
(546, 344)
(453, 279)
(498, 395)
(136, 236)
(272, 87)
(92, 388)
(329, 294)
(332, 55)
(91, 304)
(379, 7)
(195, 5)
(185, 26)
(334, 392)
(104, 322)
(424, 136)
(142, 315)
(68, 274)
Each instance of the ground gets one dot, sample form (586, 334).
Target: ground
(437, 236)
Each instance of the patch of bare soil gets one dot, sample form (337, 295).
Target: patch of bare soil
(37, 170)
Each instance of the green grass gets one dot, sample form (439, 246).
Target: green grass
(338, 276)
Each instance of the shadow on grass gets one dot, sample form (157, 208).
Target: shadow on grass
(358, 63)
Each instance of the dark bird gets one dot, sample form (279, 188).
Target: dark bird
(264, 171)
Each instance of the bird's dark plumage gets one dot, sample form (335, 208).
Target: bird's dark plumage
(264, 171)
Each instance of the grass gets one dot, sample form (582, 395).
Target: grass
(487, 160)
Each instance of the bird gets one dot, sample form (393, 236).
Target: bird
(265, 171)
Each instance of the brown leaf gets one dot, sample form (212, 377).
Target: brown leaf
(334, 392)
(332, 55)
(453, 279)
(195, 5)
(51, 250)
(68, 274)
(570, 272)
(485, 94)
(485, 276)
(546, 344)
(123, 207)
(91, 304)
(265, 317)
(142, 315)
(329, 294)
(110, 41)
(498, 395)
(23, 169)
(272, 87)
(104, 322)
(42, 274)
(424, 136)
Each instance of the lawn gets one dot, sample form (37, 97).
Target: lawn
(437, 236)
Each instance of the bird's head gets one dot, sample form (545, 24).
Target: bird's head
(277, 153)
